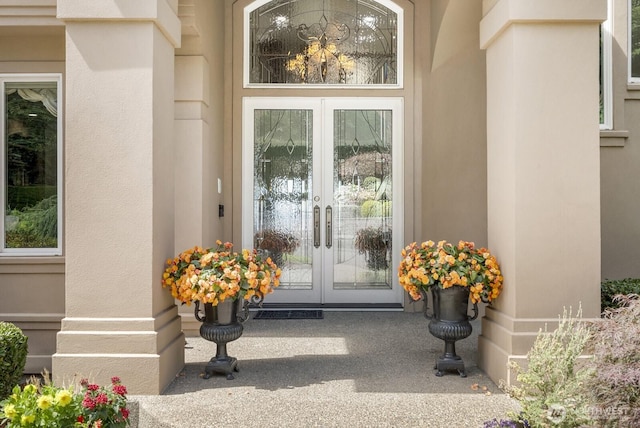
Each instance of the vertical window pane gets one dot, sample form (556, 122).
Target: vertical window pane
(323, 42)
(362, 205)
(635, 39)
(31, 174)
(283, 219)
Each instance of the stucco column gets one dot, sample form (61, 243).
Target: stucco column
(119, 194)
(543, 168)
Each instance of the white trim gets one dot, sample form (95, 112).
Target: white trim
(607, 68)
(27, 78)
(399, 52)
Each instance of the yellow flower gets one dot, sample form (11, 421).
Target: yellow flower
(44, 401)
(10, 411)
(30, 389)
(63, 397)
(27, 419)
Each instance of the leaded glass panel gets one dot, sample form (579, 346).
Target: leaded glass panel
(352, 42)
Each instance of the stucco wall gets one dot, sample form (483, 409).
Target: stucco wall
(454, 159)
(619, 160)
(32, 288)
(620, 199)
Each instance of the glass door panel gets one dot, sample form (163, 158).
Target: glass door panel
(365, 143)
(282, 211)
(362, 199)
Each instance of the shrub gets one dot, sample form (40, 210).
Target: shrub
(610, 288)
(376, 208)
(551, 387)
(37, 226)
(616, 384)
(20, 197)
(13, 357)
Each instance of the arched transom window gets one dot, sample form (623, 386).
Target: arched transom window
(323, 42)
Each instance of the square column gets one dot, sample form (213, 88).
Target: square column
(543, 168)
(119, 194)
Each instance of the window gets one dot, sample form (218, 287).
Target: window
(606, 84)
(31, 154)
(322, 42)
(634, 41)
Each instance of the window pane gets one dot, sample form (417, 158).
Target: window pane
(635, 38)
(323, 42)
(601, 79)
(31, 152)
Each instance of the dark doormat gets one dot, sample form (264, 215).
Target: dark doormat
(289, 315)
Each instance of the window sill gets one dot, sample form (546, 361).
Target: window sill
(612, 138)
(12, 259)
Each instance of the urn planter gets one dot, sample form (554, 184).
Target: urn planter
(222, 324)
(450, 322)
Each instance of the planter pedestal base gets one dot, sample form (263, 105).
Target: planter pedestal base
(225, 366)
(445, 363)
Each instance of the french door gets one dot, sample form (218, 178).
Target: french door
(322, 196)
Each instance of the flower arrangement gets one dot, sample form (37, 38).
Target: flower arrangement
(216, 274)
(374, 242)
(446, 265)
(275, 240)
(50, 406)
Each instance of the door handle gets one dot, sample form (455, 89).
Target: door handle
(316, 226)
(329, 226)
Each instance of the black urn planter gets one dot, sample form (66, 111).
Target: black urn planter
(450, 323)
(222, 324)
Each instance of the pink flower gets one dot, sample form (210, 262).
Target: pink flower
(119, 389)
(88, 403)
(125, 412)
(115, 380)
(93, 387)
(102, 398)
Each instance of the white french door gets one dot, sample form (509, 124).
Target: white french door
(322, 195)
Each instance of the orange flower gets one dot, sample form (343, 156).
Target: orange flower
(446, 265)
(216, 274)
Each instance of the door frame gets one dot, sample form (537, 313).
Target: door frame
(324, 294)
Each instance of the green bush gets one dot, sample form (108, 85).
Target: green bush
(36, 227)
(20, 197)
(13, 357)
(610, 288)
(373, 208)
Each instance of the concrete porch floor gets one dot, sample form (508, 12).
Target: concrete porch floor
(350, 369)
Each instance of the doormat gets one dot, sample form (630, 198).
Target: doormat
(289, 315)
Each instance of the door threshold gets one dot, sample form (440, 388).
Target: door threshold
(353, 307)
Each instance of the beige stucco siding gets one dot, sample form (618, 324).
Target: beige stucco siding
(32, 288)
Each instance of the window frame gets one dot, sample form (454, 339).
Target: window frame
(246, 55)
(631, 79)
(606, 66)
(31, 78)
